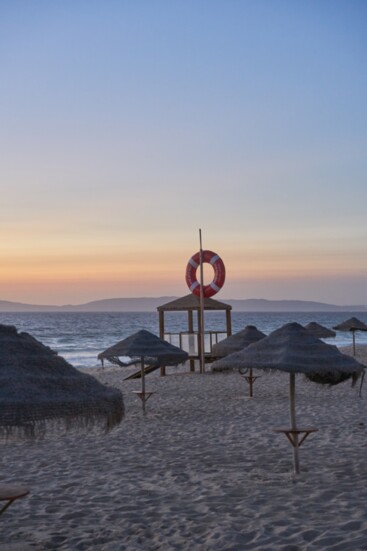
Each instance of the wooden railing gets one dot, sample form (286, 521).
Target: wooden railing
(189, 341)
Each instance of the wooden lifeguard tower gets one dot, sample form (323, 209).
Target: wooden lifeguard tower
(190, 340)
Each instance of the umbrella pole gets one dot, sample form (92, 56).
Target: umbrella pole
(251, 382)
(354, 342)
(292, 410)
(143, 384)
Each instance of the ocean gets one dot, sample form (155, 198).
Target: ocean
(80, 337)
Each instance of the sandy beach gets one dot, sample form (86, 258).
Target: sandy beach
(202, 471)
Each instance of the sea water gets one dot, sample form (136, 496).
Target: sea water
(80, 337)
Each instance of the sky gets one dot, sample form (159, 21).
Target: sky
(128, 125)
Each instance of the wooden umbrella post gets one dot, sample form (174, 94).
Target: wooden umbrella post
(143, 394)
(296, 436)
(143, 384)
(251, 383)
(292, 410)
(251, 378)
(354, 342)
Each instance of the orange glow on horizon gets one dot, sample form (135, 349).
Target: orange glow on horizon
(74, 272)
(155, 267)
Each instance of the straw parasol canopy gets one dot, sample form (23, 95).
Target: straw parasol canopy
(293, 349)
(38, 388)
(352, 324)
(319, 331)
(147, 348)
(247, 336)
(145, 344)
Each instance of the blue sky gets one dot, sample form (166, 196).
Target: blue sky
(127, 125)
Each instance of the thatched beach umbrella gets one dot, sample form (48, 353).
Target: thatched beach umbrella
(294, 350)
(352, 324)
(319, 331)
(238, 341)
(149, 349)
(38, 387)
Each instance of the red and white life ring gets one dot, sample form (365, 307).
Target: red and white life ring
(219, 274)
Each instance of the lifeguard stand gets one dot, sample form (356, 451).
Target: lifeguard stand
(190, 340)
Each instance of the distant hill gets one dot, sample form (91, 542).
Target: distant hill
(150, 304)
(141, 304)
(262, 305)
(7, 306)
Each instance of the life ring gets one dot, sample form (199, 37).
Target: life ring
(219, 274)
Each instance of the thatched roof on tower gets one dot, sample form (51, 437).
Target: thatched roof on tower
(192, 302)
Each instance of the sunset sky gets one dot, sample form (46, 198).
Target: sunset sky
(125, 126)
